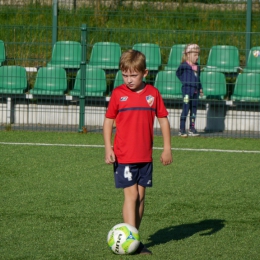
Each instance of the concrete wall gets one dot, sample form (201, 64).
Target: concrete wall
(210, 119)
(24, 114)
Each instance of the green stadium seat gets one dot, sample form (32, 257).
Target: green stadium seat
(2, 53)
(105, 55)
(168, 84)
(96, 84)
(214, 85)
(175, 57)
(253, 61)
(223, 58)
(247, 87)
(13, 80)
(66, 54)
(50, 81)
(152, 54)
(118, 79)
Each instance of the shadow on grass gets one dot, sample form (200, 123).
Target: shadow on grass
(205, 228)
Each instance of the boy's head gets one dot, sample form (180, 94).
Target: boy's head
(191, 53)
(132, 60)
(133, 67)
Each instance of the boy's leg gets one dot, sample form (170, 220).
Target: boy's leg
(133, 207)
(130, 205)
(139, 215)
(138, 177)
(140, 205)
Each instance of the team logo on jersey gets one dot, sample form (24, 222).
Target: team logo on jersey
(123, 98)
(150, 100)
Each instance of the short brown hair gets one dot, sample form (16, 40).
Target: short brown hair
(132, 60)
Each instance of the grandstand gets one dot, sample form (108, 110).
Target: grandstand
(68, 70)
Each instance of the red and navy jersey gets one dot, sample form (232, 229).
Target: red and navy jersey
(134, 114)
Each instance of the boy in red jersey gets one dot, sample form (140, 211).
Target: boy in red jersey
(134, 105)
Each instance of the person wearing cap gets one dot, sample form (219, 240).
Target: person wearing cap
(189, 74)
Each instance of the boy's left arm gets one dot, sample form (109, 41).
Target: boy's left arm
(166, 157)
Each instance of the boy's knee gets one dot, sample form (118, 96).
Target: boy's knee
(131, 193)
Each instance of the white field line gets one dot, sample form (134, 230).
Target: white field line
(155, 148)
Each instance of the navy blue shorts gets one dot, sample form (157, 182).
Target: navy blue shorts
(127, 175)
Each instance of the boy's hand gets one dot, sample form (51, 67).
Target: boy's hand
(166, 157)
(110, 156)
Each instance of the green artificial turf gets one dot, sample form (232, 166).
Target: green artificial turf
(59, 202)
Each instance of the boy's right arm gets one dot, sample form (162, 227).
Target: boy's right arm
(107, 134)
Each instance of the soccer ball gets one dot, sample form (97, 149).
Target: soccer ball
(123, 239)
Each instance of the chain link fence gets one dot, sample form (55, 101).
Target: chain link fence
(47, 51)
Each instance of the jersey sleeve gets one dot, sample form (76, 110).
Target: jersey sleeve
(112, 109)
(161, 110)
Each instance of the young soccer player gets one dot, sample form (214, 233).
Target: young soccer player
(134, 105)
(189, 75)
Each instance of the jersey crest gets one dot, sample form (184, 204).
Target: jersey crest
(150, 100)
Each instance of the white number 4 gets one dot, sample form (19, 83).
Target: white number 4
(127, 173)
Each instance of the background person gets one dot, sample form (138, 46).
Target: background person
(189, 75)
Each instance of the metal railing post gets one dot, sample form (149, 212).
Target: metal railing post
(54, 21)
(248, 27)
(82, 77)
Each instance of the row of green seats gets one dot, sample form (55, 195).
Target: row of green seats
(221, 58)
(53, 81)
(247, 86)
(214, 85)
(106, 55)
(67, 54)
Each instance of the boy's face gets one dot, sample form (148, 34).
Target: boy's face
(134, 79)
(193, 56)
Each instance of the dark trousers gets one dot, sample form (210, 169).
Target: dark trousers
(187, 107)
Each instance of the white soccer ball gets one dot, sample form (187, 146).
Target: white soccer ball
(123, 239)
